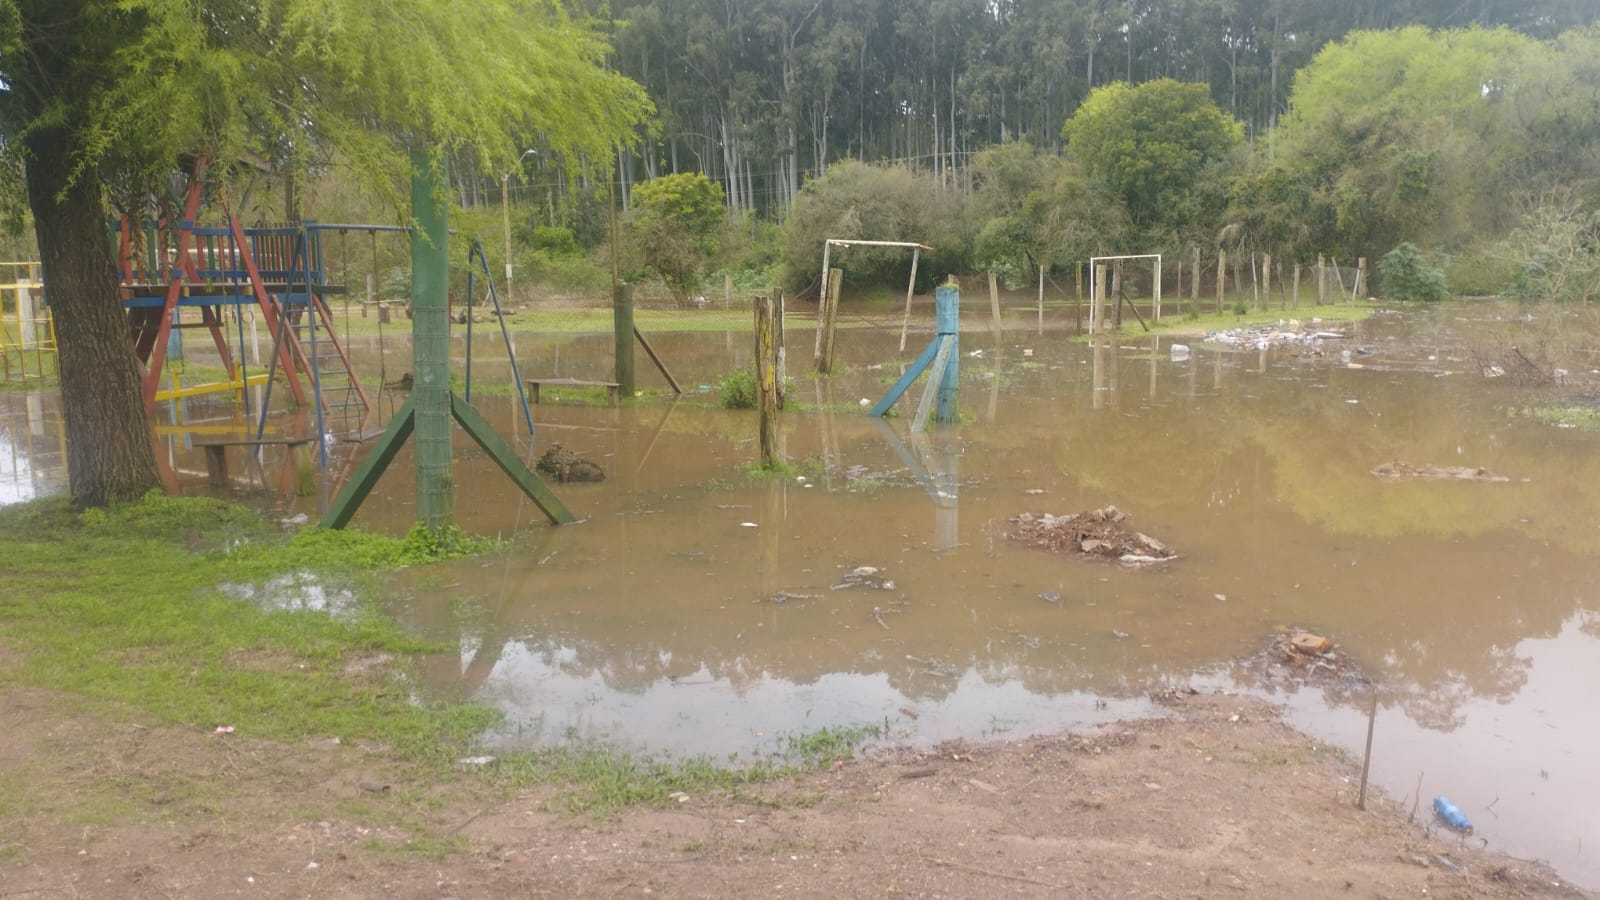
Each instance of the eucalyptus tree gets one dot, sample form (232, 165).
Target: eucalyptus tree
(125, 92)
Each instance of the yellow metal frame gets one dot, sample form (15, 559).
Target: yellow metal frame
(28, 279)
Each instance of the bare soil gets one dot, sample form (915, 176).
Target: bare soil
(1216, 798)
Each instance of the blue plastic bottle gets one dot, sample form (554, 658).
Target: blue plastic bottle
(1452, 816)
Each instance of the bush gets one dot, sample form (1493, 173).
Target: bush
(738, 388)
(1406, 276)
(556, 241)
(1477, 275)
(853, 200)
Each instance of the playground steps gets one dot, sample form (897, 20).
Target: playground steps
(318, 346)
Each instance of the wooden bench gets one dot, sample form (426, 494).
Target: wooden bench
(299, 458)
(613, 389)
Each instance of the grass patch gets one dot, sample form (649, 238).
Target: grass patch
(1576, 417)
(599, 780)
(127, 608)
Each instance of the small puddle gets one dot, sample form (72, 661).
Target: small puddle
(296, 592)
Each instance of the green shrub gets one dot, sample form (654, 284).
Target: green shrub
(1407, 276)
(738, 388)
(1478, 275)
(556, 241)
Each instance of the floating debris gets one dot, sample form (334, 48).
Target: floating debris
(1277, 334)
(864, 576)
(1398, 471)
(1097, 533)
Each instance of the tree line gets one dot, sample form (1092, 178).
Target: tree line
(762, 96)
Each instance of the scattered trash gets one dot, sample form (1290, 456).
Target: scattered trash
(1033, 492)
(1397, 471)
(1095, 533)
(877, 615)
(563, 465)
(223, 729)
(1171, 696)
(1120, 635)
(865, 402)
(1274, 335)
(748, 525)
(1027, 353)
(475, 760)
(1308, 643)
(1452, 816)
(679, 796)
(1051, 596)
(864, 576)
(1295, 656)
(1180, 352)
(296, 520)
(373, 787)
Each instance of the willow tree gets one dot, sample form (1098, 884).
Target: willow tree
(125, 92)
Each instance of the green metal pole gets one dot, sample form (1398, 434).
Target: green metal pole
(430, 344)
(622, 328)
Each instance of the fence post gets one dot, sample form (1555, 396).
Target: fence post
(766, 381)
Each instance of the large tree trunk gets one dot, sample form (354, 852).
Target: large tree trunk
(110, 455)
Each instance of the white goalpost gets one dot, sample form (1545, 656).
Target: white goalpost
(1098, 287)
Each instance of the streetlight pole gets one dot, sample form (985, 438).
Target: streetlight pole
(505, 216)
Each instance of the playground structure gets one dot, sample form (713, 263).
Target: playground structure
(169, 266)
(27, 330)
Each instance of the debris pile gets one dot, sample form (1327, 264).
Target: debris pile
(563, 465)
(1398, 471)
(1097, 533)
(1294, 657)
(1276, 334)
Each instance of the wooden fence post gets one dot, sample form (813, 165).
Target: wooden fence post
(994, 305)
(1322, 280)
(767, 380)
(1222, 277)
(1266, 281)
(1361, 277)
(827, 315)
(1194, 286)
(1296, 296)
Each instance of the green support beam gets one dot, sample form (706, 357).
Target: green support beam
(430, 344)
(432, 405)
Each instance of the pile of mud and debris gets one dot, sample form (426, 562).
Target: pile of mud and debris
(1400, 471)
(1097, 533)
(1276, 334)
(1293, 656)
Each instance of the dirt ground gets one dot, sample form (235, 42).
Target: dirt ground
(1217, 798)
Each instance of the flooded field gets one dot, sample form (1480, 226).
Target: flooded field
(700, 609)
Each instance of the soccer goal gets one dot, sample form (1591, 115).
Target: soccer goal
(1119, 278)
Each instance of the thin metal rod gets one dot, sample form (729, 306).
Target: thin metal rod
(1366, 757)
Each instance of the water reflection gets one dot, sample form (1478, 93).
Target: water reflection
(33, 446)
(655, 622)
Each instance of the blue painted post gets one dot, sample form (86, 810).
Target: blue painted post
(947, 300)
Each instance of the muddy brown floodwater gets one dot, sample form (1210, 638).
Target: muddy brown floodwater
(699, 610)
